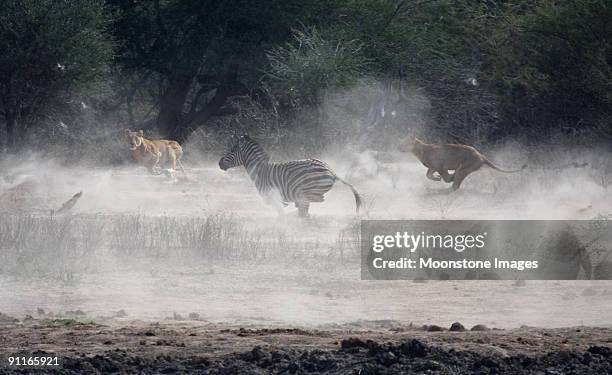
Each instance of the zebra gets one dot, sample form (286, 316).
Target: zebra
(298, 181)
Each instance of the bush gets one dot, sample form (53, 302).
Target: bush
(302, 70)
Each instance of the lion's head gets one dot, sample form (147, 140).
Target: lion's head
(134, 139)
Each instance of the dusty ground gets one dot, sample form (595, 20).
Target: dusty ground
(298, 306)
(308, 295)
(385, 348)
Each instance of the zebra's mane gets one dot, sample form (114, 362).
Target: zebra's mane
(255, 149)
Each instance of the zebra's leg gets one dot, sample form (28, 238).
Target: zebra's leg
(302, 208)
(279, 208)
(270, 200)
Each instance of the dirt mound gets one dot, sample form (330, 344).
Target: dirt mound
(354, 356)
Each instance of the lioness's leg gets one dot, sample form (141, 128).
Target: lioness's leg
(447, 176)
(460, 174)
(179, 155)
(459, 177)
(154, 168)
(430, 175)
(172, 159)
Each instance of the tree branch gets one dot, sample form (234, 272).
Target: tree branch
(214, 106)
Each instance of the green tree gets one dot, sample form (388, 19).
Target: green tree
(47, 49)
(303, 69)
(203, 52)
(437, 46)
(553, 64)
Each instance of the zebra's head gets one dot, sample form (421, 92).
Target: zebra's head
(232, 157)
(244, 151)
(238, 152)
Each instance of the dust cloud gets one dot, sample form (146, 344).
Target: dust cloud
(205, 244)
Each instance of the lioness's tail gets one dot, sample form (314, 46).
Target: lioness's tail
(358, 200)
(490, 164)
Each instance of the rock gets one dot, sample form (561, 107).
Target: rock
(487, 363)
(353, 342)
(386, 358)
(413, 348)
(600, 350)
(40, 311)
(480, 328)
(256, 354)
(120, 314)
(434, 328)
(293, 367)
(457, 327)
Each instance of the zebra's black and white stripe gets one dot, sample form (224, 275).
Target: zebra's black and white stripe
(299, 181)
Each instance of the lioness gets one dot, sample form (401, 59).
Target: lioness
(443, 158)
(153, 154)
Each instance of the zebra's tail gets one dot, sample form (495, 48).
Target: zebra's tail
(358, 201)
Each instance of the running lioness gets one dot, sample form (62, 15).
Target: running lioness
(449, 157)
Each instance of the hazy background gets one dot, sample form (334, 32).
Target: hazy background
(208, 245)
(343, 81)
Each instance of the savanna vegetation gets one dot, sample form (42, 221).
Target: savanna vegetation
(77, 72)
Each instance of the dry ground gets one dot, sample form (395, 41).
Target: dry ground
(294, 287)
(385, 348)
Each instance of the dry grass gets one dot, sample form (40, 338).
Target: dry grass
(60, 247)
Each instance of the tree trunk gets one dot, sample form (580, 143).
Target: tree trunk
(213, 107)
(169, 119)
(11, 125)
